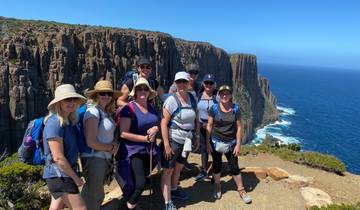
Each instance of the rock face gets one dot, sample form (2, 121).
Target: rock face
(37, 56)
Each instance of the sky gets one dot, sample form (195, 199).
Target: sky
(304, 32)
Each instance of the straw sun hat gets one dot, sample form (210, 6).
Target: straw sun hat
(143, 81)
(103, 86)
(63, 92)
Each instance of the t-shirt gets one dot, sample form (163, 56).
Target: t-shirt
(224, 125)
(154, 84)
(140, 123)
(53, 129)
(204, 106)
(184, 119)
(105, 132)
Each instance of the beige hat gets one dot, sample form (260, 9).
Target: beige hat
(103, 86)
(143, 81)
(63, 92)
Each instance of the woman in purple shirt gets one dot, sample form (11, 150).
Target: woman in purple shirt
(138, 127)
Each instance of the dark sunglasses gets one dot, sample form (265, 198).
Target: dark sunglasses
(208, 83)
(193, 72)
(106, 94)
(145, 66)
(142, 89)
(181, 81)
(68, 100)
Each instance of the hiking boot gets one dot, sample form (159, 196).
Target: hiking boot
(170, 206)
(188, 166)
(201, 175)
(179, 194)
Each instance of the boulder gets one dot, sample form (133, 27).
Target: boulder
(315, 197)
(260, 173)
(299, 181)
(277, 173)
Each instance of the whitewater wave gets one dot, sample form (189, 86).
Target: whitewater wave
(285, 110)
(277, 128)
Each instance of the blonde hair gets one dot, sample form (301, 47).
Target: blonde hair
(56, 110)
(109, 108)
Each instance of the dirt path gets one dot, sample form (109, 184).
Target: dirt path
(267, 194)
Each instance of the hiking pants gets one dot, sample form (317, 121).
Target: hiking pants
(140, 166)
(95, 171)
(232, 161)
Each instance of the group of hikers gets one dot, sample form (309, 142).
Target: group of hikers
(126, 124)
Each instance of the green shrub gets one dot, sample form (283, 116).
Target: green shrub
(291, 152)
(19, 183)
(338, 207)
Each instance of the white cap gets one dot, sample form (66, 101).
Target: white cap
(181, 75)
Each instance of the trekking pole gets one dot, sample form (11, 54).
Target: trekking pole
(150, 178)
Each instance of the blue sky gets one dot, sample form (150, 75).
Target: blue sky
(316, 33)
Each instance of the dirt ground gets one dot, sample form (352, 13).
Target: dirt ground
(267, 194)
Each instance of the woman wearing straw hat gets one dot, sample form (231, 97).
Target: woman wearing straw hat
(223, 136)
(138, 127)
(99, 130)
(61, 151)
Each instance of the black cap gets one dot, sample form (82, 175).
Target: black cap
(143, 61)
(192, 67)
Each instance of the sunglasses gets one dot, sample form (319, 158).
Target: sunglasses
(145, 66)
(181, 81)
(68, 100)
(110, 94)
(208, 83)
(142, 89)
(193, 72)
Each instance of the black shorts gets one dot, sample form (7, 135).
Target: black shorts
(176, 157)
(59, 186)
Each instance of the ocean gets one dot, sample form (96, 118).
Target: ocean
(321, 110)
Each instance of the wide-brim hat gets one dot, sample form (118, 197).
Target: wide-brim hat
(225, 87)
(143, 81)
(63, 92)
(103, 86)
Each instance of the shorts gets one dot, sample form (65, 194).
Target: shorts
(58, 186)
(176, 157)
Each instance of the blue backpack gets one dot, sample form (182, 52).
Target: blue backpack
(181, 107)
(31, 150)
(82, 145)
(216, 109)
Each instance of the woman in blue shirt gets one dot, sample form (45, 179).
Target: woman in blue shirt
(61, 151)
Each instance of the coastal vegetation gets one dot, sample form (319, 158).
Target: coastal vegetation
(293, 153)
(338, 207)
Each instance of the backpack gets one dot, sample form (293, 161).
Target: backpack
(216, 109)
(31, 150)
(82, 145)
(130, 74)
(181, 107)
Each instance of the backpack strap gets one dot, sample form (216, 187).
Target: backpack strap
(216, 107)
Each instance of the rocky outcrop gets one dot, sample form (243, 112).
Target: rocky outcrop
(252, 93)
(37, 56)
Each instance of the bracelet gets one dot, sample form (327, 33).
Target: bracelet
(148, 138)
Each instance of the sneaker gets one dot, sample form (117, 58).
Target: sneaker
(201, 175)
(170, 206)
(188, 166)
(245, 197)
(179, 194)
(216, 194)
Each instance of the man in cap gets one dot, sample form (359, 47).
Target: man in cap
(144, 69)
